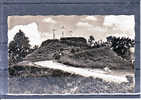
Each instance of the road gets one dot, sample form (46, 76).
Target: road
(113, 76)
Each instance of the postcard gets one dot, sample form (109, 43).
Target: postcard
(71, 54)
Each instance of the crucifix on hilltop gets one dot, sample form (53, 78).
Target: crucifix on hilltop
(63, 31)
(70, 33)
(53, 33)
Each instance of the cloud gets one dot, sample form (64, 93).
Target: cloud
(83, 24)
(98, 29)
(121, 22)
(99, 26)
(91, 18)
(30, 30)
(49, 20)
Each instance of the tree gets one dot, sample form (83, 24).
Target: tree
(91, 40)
(121, 45)
(18, 48)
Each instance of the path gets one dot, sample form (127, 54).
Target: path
(96, 73)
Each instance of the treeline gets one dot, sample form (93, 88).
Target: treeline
(120, 45)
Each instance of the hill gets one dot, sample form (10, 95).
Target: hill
(75, 52)
(96, 58)
(50, 48)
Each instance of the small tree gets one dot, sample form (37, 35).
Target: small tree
(18, 48)
(91, 40)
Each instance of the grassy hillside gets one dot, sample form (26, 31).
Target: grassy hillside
(37, 80)
(96, 58)
(49, 48)
(34, 71)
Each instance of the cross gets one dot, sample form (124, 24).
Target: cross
(63, 31)
(71, 33)
(54, 33)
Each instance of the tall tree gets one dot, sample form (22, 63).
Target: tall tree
(19, 47)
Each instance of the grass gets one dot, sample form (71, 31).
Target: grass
(33, 71)
(96, 58)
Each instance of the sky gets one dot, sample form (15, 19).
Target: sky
(41, 28)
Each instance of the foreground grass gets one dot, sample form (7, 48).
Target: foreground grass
(32, 71)
(34, 80)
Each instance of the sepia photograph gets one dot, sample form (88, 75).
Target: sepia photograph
(71, 54)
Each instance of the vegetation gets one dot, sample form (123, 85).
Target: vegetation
(19, 48)
(121, 45)
(91, 40)
(32, 71)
